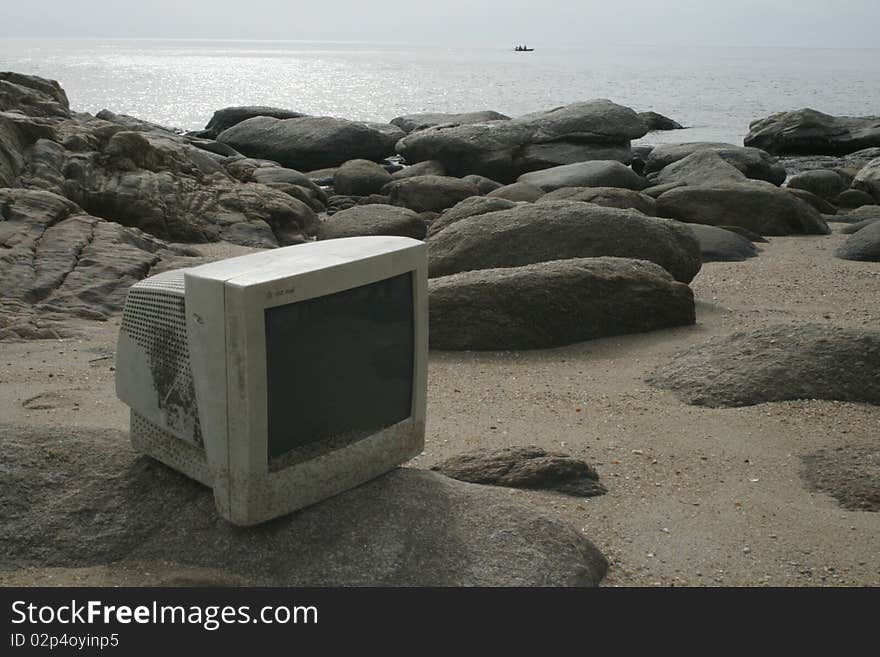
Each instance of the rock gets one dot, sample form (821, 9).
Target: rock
(426, 168)
(819, 204)
(610, 197)
(807, 131)
(131, 123)
(412, 122)
(469, 207)
(503, 150)
(539, 232)
(373, 219)
(699, 168)
(32, 95)
(849, 229)
(599, 173)
(225, 118)
(429, 193)
(752, 162)
(392, 133)
(868, 179)
(720, 245)
(57, 259)
(777, 363)
(484, 185)
(360, 178)
(739, 230)
(18, 134)
(307, 143)
(864, 244)
(654, 191)
(864, 212)
(322, 177)
(517, 192)
(77, 498)
(524, 467)
(759, 207)
(655, 121)
(549, 304)
(853, 198)
(824, 183)
(848, 473)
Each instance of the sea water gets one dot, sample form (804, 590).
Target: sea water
(716, 92)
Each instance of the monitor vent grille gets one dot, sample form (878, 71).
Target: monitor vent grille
(155, 318)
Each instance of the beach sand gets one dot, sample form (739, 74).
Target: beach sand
(696, 496)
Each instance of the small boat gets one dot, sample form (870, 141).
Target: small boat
(523, 49)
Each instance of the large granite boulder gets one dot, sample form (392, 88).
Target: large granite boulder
(517, 192)
(528, 466)
(307, 143)
(372, 219)
(539, 232)
(18, 134)
(656, 121)
(225, 118)
(597, 173)
(609, 197)
(429, 193)
(412, 122)
(360, 178)
(722, 245)
(504, 150)
(73, 498)
(807, 131)
(752, 162)
(56, 258)
(759, 207)
(824, 183)
(32, 95)
(777, 363)
(864, 244)
(469, 207)
(868, 179)
(701, 167)
(549, 304)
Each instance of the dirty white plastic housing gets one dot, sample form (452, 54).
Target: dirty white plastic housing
(194, 361)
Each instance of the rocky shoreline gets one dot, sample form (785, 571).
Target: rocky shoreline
(543, 231)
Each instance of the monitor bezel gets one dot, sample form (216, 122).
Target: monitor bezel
(235, 421)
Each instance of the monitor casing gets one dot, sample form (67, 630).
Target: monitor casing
(205, 412)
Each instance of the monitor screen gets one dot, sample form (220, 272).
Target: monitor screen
(339, 367)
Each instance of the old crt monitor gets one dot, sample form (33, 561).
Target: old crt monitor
(282, 377)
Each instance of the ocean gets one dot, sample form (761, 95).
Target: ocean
(716, 92)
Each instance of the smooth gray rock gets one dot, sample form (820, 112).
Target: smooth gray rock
(868, 179)
(307, 143)
(807, 131)
(429, 193)
(412, 122)
(654, 191)
(426, 168)
(864, 244)
(854, 198)
(503, 150)
(360, 178)
(720, 245)
(372, 219)
(483, 184)
(469, 207)
(655, 121)
(517, 192)
(540, 232)
(549, 304)
(77, 498)
(227, 117)
(752, 162)
(824, 183)
(819, 204)
(699, 168)
(599, 173)
(777, 363)
(57, 259)
(849, 229)
(610, 197)
(526, 466)
(756, 206)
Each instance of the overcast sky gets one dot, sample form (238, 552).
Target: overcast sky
(808, 23)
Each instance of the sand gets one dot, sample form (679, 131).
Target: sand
(697, 496)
